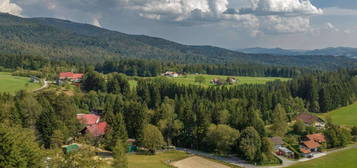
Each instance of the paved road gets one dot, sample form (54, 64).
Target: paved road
(239, 162)
(45, 85)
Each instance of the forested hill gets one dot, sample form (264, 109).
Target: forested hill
(65, 40)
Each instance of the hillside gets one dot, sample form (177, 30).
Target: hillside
(65, 40)
(333, 51)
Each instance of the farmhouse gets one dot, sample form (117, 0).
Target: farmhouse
(312, 143)
(171, 74)
(73, 77)
(279, 148)
(217, 81)
(92, 124)
(35, 79)
(310, 120)
(231, 80)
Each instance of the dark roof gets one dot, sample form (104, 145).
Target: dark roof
(308, 118)
(277, 140)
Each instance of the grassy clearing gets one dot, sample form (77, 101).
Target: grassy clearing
(190, 79)
(342, 159)
(12, 84)
(155, 161)
(344, 116)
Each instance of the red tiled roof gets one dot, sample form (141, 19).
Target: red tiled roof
(70, 75)
(97, 129)
(305, 151)
(88, 119)
(320, 138)
(307, 118)
(77, 76)
(311, 144)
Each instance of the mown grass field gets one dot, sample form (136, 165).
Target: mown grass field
(190, 79)
(155, 161)
(12, 84)
(342, 159)
(344, 116)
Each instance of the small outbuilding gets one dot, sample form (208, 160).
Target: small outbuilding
(277, 142)
(70, 148)
(283, 151)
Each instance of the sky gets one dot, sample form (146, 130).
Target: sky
(232, 24)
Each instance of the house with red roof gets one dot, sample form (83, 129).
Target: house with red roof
(97, 130)
(92, 124)
(312, 143)
(88, 119)
(73, 77)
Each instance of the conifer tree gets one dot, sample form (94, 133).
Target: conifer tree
(280, 124)
(119, 155)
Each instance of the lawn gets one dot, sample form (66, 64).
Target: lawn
(12, 84)
(342, 159)
(344, 116)
(155, 161)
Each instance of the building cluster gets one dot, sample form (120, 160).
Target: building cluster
(309, 144)
(312, 143)
(229, 80)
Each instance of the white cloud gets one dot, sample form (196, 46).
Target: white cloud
(276, 16)
(276, 24)
(8, 7)
(281, 7)
(258, 16)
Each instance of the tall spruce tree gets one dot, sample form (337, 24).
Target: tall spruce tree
(280, 124)
(119, 155)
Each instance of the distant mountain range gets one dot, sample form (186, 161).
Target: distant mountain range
(65, 40)
(332, 51)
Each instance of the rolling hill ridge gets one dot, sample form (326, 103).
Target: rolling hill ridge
(65, 40)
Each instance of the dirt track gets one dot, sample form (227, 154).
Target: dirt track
(197, 162)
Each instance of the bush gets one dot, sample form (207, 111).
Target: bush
(221, 138)
(295, 149)
(152, 138)
(354, 139)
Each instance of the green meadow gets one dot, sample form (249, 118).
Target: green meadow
(344, 116)
(190, 79)
(155, 161)
(342, 159)
(12, 84)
